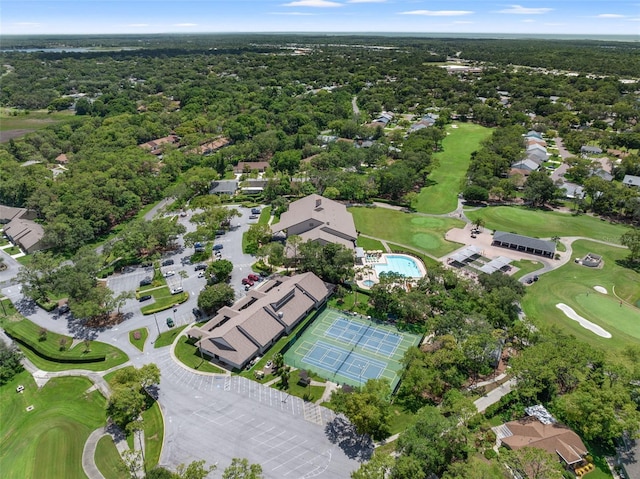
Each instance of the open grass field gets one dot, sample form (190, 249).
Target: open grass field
(13, 126)
(47, 442)
(188, 354)
(153, 435)
(525, 267)
(369, 244)
(422, 233)
(570, 285)
(441, 196)
(108, 459)
(546, 224)
(51, 345)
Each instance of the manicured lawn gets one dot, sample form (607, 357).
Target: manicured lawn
(369, 244)
(265, 214)
(401, 419)
(189, 355)
(12, 250)
(153, 435)
(108, 459)
(308, 393)
(168, 337)
(422, 233)
(163, 300)
(441, 195)
(570, 285)
(525, 267)
(51, 345)
(139, 343)
(428, 261)
(546, 224)
(47, 442)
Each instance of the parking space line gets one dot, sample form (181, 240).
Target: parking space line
(292, 459)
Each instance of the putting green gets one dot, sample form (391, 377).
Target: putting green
(609, 313)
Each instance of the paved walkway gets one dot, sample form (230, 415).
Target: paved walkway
(494, 396)
(88, 454)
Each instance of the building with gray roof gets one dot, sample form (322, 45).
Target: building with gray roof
(525, 244)
(253, 324)
(630, 180)
(315, 218)
(20, 228)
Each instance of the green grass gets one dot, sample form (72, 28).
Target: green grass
(265, 214)
(139, 343)
(189, 355)
(114, 356)
(35, 120)
(525, 267)
(168, 337)
(546, 224)
(428, 261)
(12, 250)
(348, 303)
(369, 244)
(153, 435)
(47, 442)
(163, 300)
(441, 196)
(308, 393)
(108, 459)
(401, 419)
(570, 284)
(422, 233)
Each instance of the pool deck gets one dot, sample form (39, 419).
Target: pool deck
(367, 271)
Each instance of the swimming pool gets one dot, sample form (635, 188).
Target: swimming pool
(404, 265)
(368, 283)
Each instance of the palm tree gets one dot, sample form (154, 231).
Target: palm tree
(478, 223)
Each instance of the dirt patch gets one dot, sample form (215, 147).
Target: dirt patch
(10, 134)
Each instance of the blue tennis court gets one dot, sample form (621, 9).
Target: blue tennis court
(369, 337)
(337, 360)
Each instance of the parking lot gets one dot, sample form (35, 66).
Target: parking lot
(217, 418)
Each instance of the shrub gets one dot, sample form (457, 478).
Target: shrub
(490, 454)
(137, 335)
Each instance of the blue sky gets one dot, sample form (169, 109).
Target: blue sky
(589, 17)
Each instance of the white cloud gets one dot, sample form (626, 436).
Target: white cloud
(437, 13)
(313, 3)
(520, 10)
(185, 24)
(610, 15)
(305, 14)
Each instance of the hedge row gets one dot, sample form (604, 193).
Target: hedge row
(58, 358)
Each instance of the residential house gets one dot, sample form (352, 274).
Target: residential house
(223, 187)
(239, 333)
(572, 190)
(211, 146)
(62, 159)
(20, 228)
(156, 146)
(540, 430)
(524, 243)
(605, 175)
(253, 186)
(533, 134)
(250, 167)
(590, 150)
(526, 165)
(315, 218)
(630, 180)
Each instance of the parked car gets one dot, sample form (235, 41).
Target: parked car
(170, 323)
(200, 267)
(217, 247)
(220, 232)
(196, 312)
(145, 282)
(255, 211)
(167, 262)
(253, 277)
(64, 309)
(247, 281)
(146, 297)
(201, 274)
(167, 274)
(254, 217)
(177, 290)
(199, 247)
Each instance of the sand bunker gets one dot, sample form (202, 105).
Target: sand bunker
(601, 289)
(585, 323)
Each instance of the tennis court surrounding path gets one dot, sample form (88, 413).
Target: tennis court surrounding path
(350, 349)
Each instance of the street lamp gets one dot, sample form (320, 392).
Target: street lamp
(156, 320)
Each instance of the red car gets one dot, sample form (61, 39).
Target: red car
(247, 281)
(253, 277)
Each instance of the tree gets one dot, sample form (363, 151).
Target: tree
(241, 469)
(214, 297)
(125, 405)
(368, 409)
(159, 472)
(194, 470)
(534, 463)
(332, 262)
(378, 467)
(539, 189)
(631, 239)
(475, 193)
(10, 364)
(38, 277)
(219, 271)
(285, 374)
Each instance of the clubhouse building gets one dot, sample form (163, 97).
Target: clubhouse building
(241, 332)
(524, 244)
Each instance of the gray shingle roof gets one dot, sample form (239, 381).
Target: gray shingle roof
(524, 241)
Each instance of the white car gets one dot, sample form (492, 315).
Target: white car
(168, 274)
